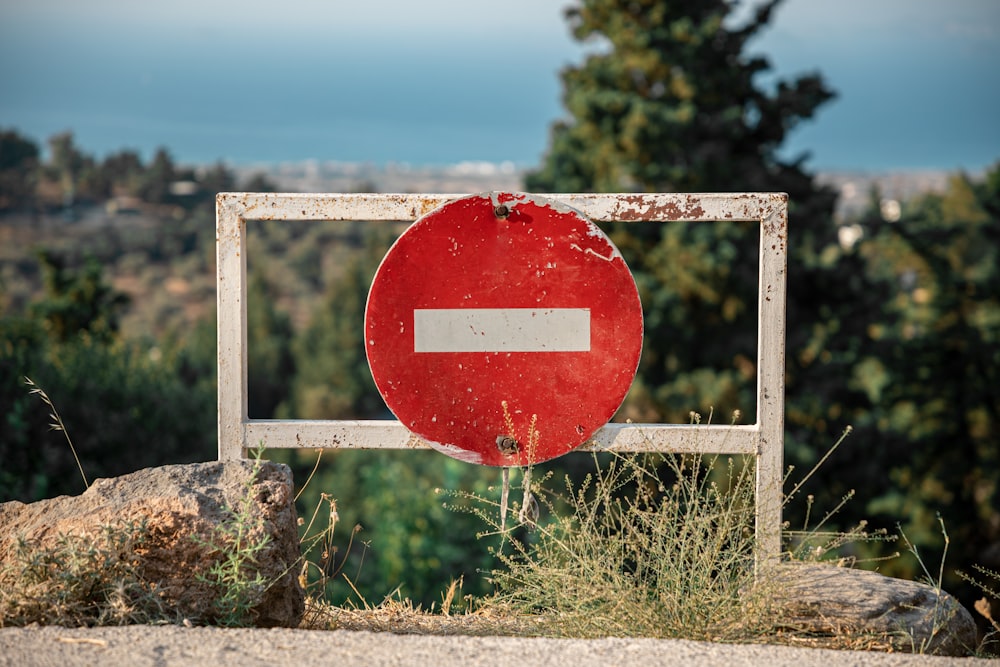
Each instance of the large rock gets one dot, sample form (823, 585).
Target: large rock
(894, 614)
(185, 509)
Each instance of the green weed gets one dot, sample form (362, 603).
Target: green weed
(236, 543)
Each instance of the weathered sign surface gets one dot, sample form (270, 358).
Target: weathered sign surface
(503, 329)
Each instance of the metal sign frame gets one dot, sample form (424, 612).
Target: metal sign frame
(764, 439)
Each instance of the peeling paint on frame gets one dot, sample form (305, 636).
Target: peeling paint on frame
(763, 439)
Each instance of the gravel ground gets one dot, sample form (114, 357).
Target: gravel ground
(171, 646)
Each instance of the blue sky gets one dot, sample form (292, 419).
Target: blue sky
(438, 81)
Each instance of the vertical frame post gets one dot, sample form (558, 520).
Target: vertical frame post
(771, 382)
(231, 264)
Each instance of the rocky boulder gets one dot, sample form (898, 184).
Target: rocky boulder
(187, 513)
(881, 612)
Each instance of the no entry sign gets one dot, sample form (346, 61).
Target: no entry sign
(504, 329)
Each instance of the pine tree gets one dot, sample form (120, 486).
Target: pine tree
(674, 103)
(671, 100)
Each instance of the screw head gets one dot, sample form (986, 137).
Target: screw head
(507, 445)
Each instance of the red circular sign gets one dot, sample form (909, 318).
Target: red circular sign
(504, 329)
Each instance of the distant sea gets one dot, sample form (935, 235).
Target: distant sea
(422, 142)
(270, 104)
(394, 135)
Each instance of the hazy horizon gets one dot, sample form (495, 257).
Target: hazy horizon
(443, 83)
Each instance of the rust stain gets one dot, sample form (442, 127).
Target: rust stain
(777, 231)
(637, 208)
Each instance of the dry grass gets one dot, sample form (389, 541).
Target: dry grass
(79, 581)
(402, 617)
(645, 545)
(652, 546)
(56, 423)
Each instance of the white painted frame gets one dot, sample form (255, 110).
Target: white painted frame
(764, 439)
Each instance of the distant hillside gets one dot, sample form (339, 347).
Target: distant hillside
(163, 258)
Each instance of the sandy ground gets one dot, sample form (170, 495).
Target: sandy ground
(170, 646)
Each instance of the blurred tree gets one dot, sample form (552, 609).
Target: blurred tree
(215, 179)
(124, 170)
(77, 301)
(671, 102)
(155, 186)
(79, 177)
(333, 380)
(270, 364)
(65, 165)
(18, 171)
(259, 182)
(935, 387)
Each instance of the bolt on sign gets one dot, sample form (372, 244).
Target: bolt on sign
(503, 329)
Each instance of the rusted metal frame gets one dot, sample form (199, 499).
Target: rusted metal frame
(231, 307)
(771, 381)
(764, 439)
(390, 434)
(709, 207)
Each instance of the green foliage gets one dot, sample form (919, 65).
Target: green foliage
(126, 408)
(77, 301)
(270, 364)
(18, 164)
(235, 543)
(932, 399)
(407, 539)
(333, 379)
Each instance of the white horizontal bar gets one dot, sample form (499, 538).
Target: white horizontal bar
(670, 207)
(390, 434)
(501, 330)
(676, 438)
